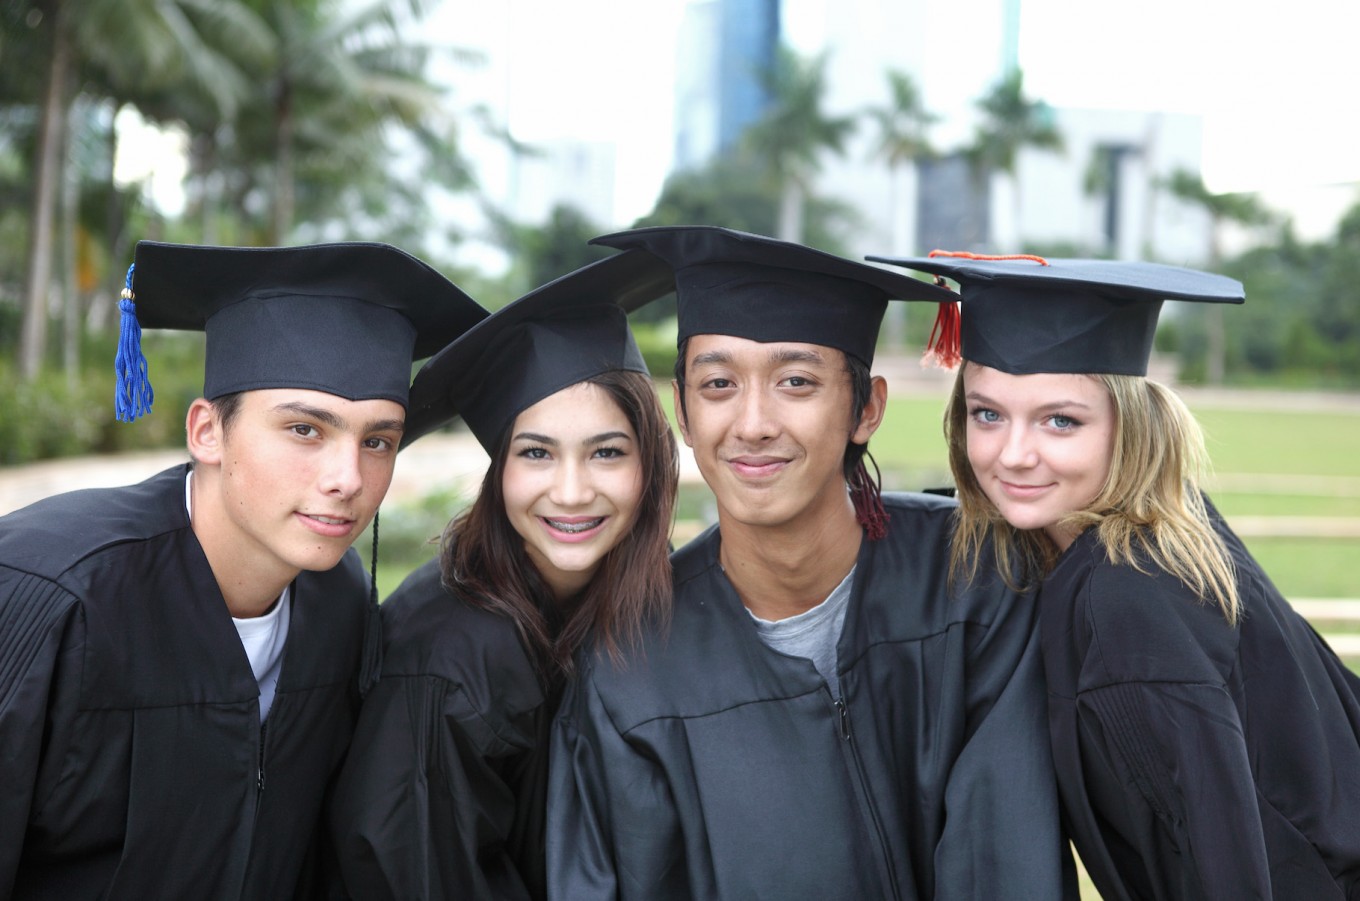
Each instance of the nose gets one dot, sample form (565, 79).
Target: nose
(342, 475)
(1018, 450)
(754, 422)
(571, 486)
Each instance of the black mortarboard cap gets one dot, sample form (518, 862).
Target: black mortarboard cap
(750, 286)
(557, 335)
(347, 319)
(1027, 315)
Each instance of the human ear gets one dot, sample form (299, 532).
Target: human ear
(203, 430)
(680, 418)
(872, 416)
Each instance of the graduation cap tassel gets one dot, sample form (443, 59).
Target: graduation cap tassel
(945, 347)
(866, 494)
(132, 394)
(370, 665)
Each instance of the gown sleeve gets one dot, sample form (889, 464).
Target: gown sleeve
(1178, 753)
(421, 808)
(34, 614)
(1163, 740)
(613, 831)
(1002, 836)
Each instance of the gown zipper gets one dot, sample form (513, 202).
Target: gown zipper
(866, 797)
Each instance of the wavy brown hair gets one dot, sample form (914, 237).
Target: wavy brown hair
(483, 558)
(1149, 508)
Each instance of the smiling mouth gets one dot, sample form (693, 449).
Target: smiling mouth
(573, 527)
(1024, 490)
(329, 520)
(757, 466)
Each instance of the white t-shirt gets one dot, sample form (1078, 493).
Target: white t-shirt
(263, 637)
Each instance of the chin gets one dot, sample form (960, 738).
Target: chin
(319, 561)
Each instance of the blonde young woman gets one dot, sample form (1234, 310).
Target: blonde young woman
(443, 791)
(1207, 741)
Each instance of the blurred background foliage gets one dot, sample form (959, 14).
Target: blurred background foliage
(319, 120)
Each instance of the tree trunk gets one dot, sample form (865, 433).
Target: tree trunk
(1216, 350)
(283, 164)
(70, 291)
(202, 160)
(790, 224)
(895, 323)
(51, 141)
(115, 213)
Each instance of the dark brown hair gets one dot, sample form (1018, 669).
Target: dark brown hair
(227, 407)
(483, 557)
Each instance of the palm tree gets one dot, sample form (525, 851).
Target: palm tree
(339, 76)
(1010, 123)
(114, 48)
(794, 132)
(902, 140)
(1242, 209)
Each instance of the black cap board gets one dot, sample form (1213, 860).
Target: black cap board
(569, 330)
(347, 319)
(750, 286)
(1029, 315)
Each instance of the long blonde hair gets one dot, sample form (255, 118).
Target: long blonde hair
(1149, 507)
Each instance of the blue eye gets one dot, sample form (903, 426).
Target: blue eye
(985, 415)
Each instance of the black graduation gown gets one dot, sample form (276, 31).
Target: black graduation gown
(1197, 760)
(134, 762)
(711, 766)
(442, 794)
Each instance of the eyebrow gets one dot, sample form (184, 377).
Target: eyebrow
(720, 357)
(326, 417)
(553, 442)
(793, 355)
(1054, 405)
(779, 355)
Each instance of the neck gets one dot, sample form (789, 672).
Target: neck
(249, 583)
(783, 571)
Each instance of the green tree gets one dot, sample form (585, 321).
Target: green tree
(544, 252)
(902, 127)
(729, 191)
(794, 133)
(1242, 209)
(341, 74)
(110, 48)
(1010, 123)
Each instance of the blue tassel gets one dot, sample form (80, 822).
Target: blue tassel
(132, 390)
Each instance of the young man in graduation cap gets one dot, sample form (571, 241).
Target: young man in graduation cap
(180, 659)
(825, 716)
